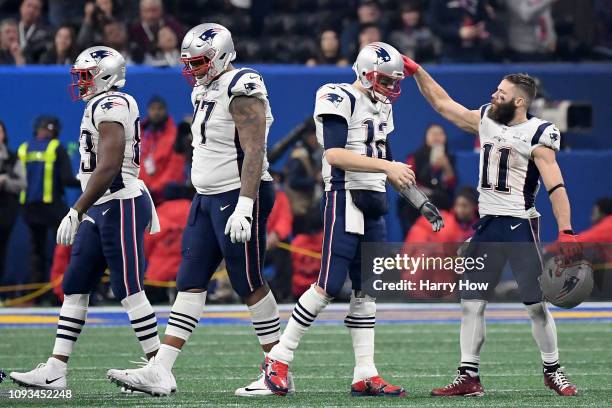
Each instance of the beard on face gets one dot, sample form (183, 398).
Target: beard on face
(502, 112)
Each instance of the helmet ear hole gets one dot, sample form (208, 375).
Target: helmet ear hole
(105, 77)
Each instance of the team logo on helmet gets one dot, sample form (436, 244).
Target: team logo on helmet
(569, 284)
(336, 100)
(381, 54)
(98, 55)
(208, 35)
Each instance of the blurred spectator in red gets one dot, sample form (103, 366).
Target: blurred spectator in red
(33, 34)
(305, 266)
(10, 50)
(279, 227)
(163, 250)
(328, 52)
(96, 15)
(63, 50)
(160, 164)
(433, 166)
(368, 33)
(423, 241)
(460, 25)
(61, 259)
(531, 30)
(457, 223)
(601, 220)
(414, 39)
(144, 31)
(167, 53)
(115, 36)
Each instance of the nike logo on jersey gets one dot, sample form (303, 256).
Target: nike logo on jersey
(224, 207)
(105, 211)
(52, 381)
(513, 227)
(253, 77)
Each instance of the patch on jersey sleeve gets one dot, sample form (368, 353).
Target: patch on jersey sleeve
(335, 99)
(251, 86)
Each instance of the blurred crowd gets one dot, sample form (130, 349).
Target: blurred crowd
(310, 32)
(33, 181)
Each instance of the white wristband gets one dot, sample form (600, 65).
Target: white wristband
(244, 206)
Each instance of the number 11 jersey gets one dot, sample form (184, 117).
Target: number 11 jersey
(509, 179)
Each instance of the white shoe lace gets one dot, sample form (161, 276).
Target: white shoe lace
(559, 379)
(458, 380)
(40, 366)
(143, 362)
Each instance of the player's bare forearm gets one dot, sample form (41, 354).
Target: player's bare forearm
(110, 158)
(546, 163)
(442, 103)
(349, 161)
(249, 114)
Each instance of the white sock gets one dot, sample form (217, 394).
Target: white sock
(166, 356)
(266, 319)
(185, 314)
(143, 320)
(473, 332)
(71, 321)
(360, 322)
(310, 304)
(544, 332)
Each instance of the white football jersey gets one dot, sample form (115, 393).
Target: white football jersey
(112, 107)
(217, 155)
(369, 123)
(509, 179)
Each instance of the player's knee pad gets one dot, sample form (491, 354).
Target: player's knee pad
(537, 311)
(362, 311)
(473, 307)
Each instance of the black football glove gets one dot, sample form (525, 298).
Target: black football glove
(420, 201)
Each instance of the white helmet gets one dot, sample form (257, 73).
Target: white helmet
(206, 51)
(380, 68)
(566, 285)
(96, 70)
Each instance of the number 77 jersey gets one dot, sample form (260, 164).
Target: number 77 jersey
(111, 107)
(509, 179)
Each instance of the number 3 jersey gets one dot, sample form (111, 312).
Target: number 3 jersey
(509, 179)
(217, 154)
(369, 124)
(111, 107)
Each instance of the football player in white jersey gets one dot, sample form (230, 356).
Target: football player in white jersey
(516, 150)
(106, 225)
(229, 213)
(353, 123)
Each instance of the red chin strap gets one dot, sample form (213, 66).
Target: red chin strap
(192, 73)
(390, 94)
(82, 83)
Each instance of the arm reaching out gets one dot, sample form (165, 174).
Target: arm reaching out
(442, 103)
(546, 163)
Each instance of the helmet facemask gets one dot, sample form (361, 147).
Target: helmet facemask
(384, 88)
(202, 69)
(83, 85)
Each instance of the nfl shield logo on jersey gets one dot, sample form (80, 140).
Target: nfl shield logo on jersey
(566, 285)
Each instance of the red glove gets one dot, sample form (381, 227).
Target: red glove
(410, 67)
(569, 245)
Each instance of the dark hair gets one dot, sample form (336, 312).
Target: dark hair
(365, 26)
(605, 205)
(525, 83)
(3, 126)
(469, 193)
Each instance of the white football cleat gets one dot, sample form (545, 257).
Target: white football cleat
(152, 378)
(258, 387)
(49, 376)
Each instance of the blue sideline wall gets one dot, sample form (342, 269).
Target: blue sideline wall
(26, 92)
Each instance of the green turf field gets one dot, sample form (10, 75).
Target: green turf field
(220, 358)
